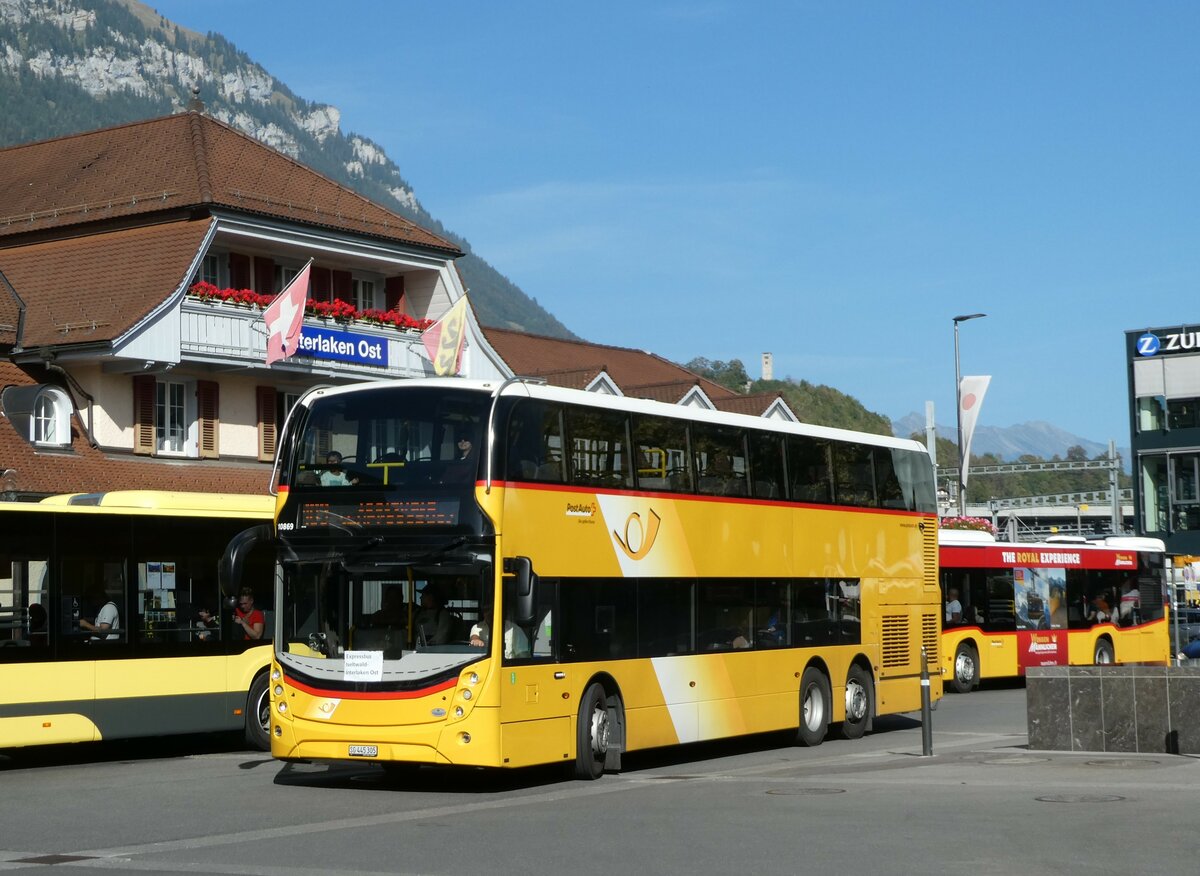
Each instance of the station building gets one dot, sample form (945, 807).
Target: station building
(1164, 404)
(135, 262)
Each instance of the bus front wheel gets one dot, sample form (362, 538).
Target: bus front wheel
(593, 733)
(1104, 653)
(258, 714)
(815, 699)
(966, 668)
(859, 703)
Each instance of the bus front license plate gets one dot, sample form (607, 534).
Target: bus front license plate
(364, 751)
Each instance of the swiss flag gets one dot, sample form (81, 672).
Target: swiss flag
(284, 317)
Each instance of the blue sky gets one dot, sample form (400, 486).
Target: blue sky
(829, 182)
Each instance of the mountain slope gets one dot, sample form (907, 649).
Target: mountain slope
(74, 65)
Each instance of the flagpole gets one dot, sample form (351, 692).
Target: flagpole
(962, 460)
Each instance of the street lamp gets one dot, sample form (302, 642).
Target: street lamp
(962, 460)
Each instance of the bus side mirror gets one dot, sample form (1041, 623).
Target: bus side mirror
(525, 589)
(233, 560)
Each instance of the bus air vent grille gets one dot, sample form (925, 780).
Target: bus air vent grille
(895, 640)
(930, 637)
(929, 550)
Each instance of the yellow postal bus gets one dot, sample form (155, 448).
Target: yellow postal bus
(111, 623)
(1066, 601)
(502, 575)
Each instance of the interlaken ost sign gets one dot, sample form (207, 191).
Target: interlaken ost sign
(339, 346)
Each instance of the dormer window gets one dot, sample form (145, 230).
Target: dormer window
(41, 414)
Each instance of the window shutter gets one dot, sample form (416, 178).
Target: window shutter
(267, 427)
(343, 286)
(320, 283)
(239, 271)
(264, 276)
(393, 291)
(207, 398)
(143, 414)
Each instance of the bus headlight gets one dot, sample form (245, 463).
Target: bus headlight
(473, 678)
(275, 674)
(466, 694)
(458, 711)
(282, 707)
(279, 690)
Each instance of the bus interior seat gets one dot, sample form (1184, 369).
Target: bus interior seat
(549, 471)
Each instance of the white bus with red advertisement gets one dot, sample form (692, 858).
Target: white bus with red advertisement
(1007, 606)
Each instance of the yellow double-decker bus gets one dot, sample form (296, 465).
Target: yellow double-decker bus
(112, 625)
(508, 574)
(1065, 601)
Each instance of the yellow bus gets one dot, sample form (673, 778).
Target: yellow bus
(111, 623)
(658, 574)
(1065, 601)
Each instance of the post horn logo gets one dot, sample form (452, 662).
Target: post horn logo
(638, 538)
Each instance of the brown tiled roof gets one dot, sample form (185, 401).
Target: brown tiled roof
(85, 290)
(671, 392)
(541, 356)
(756, 405)
(85, 469)
(180, 161)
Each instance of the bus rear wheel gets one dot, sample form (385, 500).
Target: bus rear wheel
(258, 714)
(859, 703)
(593, 733)
(966, 668)
(815, 699)
(1104, 653)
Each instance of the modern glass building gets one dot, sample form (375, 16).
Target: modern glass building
(1164, 393)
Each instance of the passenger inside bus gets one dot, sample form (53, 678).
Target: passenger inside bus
(107, 620)
(462, 468)
(435, 624)
(953, 607)
(334, 476)
(392, 608)
(1131, 602)
(1098, 610)
(516, 643)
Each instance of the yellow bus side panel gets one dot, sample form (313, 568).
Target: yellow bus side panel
(997, 652)
(47, 703)
(581, 534)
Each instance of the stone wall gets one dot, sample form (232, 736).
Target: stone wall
(1114, 708)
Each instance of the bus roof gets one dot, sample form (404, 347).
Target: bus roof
(619, 403)
(157, 502)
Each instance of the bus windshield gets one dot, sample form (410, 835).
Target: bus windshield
(422, 619)
(386, 458)
(392, 437)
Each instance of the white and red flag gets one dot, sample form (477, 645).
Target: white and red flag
(284, 317)
(444, 339)
(970, 392)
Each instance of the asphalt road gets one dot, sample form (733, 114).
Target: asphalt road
(983, 804)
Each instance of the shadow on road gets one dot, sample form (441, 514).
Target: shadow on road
(124, 750)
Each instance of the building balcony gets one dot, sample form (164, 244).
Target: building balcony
(225, 334)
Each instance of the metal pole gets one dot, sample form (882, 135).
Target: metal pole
(962, 458)
(962, 499)
(926, 708)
